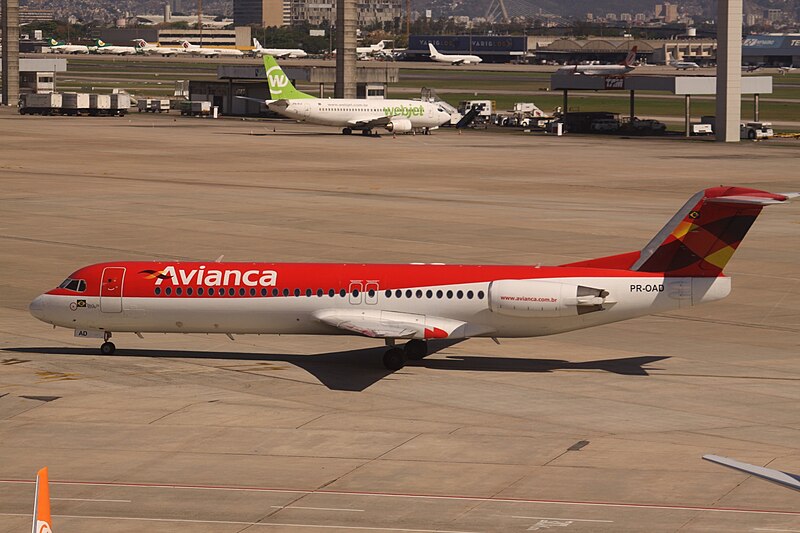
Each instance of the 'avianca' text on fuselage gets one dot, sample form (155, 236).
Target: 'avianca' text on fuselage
(212, 277)
(680, 267)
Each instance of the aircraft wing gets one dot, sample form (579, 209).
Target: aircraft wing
(457, 62)
(393, 325)
(262, 101)
(785, 479)
(374, 122)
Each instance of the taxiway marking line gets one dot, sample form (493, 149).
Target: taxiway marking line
(315, 508)
(488, 499)
(570, 519)
(88, 500)
(239, 523)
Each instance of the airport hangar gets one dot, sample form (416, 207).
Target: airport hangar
(653, 51)
(686, 86)
(772, 50)
(251, 81)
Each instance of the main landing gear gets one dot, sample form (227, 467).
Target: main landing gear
(395, 358)
(107, 348)
(347, 131)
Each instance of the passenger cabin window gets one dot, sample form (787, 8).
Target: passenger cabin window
(77, 285)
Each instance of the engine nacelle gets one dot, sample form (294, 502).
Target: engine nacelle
(545, 299)
(399, 125)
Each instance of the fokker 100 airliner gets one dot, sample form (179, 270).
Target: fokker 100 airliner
(680, 267)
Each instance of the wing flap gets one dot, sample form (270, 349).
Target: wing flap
(394, 325)
(378, 122)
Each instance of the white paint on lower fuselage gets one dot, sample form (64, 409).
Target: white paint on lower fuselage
(294, 314)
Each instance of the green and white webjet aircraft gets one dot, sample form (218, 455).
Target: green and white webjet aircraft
(350, 114)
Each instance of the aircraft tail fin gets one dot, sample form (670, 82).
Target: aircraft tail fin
(631, 57)
(280, 88)
(42, 523)
(256, 44)
(701, 237)
(432, 49)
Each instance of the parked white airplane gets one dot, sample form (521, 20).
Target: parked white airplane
(143, 47)
(210, 52)
(60, 47)
(603, 70)
(280, 53)
(453, 59)
(365, 52)
(682, 266)
(101, 47)
(371, 49)
(680, 64)
(783, 71)
(349, 113)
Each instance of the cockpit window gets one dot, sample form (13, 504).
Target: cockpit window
(77, 285)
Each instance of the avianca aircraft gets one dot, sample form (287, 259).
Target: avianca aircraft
(41, 504)
(453, 59)
(680, 267)
(349, 113)
(603, 70)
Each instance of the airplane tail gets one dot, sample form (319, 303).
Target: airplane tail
(631, 57)
(256, 44)
(99, 43)
(54, 42)
(42, 523)
(433, 49)
(280, 88)
(701, 237)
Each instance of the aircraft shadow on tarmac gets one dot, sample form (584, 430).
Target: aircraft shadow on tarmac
(356, 370)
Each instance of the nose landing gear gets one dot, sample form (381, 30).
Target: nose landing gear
(107, 348)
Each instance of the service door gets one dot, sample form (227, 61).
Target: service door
(111, 289)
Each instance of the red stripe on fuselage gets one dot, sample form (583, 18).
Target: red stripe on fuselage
(140, 280)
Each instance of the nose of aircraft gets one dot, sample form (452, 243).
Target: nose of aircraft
(36, 307)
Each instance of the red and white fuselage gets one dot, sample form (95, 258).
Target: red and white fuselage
(447, 300)
(680, 267)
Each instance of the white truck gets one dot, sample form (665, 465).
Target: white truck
(40, 104)
(756, 131)
(153, 106)
(120, 104)
(74, 103)
(747, 130)
(485, 110)
(100, 104)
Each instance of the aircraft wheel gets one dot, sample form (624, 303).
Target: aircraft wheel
(416, 349)
(394, 359)
(347, 131)
(107, 348)
(366, 133)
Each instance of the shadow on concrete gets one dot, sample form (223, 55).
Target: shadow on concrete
(356, 370)
(627, 366)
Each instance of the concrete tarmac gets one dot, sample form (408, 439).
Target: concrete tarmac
(595, 430)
